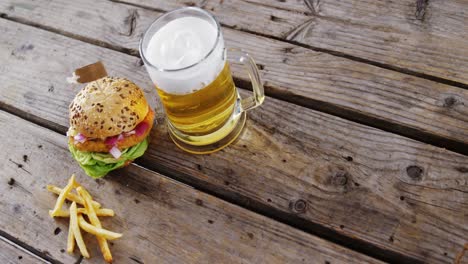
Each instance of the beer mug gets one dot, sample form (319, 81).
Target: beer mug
(184, 54)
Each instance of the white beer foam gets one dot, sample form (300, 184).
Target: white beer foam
(180, 43)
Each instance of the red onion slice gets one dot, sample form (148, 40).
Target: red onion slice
(120, 137)
(115, 152)
(141, 128)
(111, 141)
(79, 138)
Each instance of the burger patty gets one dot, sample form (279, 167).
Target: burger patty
(98, 145)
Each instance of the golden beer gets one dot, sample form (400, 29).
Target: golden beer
(205, 110)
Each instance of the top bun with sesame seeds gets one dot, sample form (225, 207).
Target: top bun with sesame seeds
(107, 107)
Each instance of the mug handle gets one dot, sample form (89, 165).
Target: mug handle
(249, 64)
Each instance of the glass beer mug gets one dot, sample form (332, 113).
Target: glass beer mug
(184, 54)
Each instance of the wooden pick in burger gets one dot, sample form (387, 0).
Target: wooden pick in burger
(88, 73)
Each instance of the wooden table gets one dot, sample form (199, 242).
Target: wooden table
(358, 155)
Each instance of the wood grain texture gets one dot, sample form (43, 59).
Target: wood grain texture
(359, 182)
(390, 100)
(422, 36)
(10, 254)
(162, 221)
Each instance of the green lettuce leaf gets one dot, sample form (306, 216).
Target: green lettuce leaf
(97, 164)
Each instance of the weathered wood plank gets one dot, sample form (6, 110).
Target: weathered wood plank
(10, 254)
(356, 181)
(428, 37)
(390, 100)
(162, 221)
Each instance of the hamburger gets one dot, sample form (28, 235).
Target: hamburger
(110, 121)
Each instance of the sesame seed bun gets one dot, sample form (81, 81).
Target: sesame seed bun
(108, 107)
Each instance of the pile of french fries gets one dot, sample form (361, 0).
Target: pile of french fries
(91, 209)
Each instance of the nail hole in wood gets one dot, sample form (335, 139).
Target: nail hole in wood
(275, 18)
(298, 206)
(414, 172)
(11, 181)
(340, 178)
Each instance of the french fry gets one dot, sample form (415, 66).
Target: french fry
(71, 196)
(71, 238)
(95, 221)
(109, 235)
(77, 221)
(63, 194)
(76, 230)
(99, 212)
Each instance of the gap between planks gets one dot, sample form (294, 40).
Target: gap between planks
(42, 256)
(425, 137)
